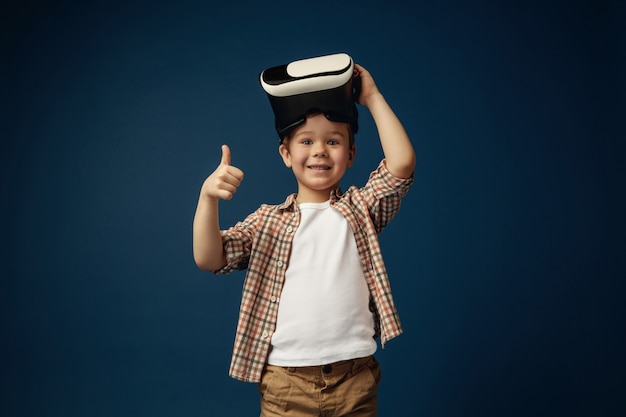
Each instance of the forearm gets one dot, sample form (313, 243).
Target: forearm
(208, 250)
(397, 147)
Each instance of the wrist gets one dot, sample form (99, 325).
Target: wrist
(372, 99)
(207, 198)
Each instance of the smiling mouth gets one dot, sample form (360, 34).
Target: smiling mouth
(319, 167)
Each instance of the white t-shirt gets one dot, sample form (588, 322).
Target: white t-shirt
(323, 314)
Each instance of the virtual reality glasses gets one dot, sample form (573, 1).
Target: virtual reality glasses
(322, 84)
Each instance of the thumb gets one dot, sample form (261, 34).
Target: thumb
(225, 155)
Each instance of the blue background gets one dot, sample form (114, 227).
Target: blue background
(506, 259)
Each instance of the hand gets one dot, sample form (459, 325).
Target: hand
(224, 181)
(368, 86)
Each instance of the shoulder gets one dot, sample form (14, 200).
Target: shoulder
(288, 204)
(267, 212)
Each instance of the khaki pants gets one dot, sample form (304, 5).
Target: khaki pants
(346, 388)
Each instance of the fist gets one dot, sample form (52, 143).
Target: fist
(224, 181)
(368, 87)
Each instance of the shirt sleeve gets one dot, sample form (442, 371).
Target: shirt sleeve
(237, 243)
(383, 194)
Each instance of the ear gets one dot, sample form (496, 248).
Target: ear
(351, 156)
(284, 153)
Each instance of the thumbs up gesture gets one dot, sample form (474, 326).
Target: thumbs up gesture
(225, 180)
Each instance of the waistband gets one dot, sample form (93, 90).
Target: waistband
(341, 367)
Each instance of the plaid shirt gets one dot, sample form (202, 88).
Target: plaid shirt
(262, 244)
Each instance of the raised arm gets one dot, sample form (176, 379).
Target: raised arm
(397, 147)
(208, 251)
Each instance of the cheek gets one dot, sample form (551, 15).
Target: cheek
(298, 158)
(343, 158)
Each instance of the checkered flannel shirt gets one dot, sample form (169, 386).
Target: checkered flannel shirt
(262, 244)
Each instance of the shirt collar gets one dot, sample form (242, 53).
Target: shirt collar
(290, 203)
(335, 194)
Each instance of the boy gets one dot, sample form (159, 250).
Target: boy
(316, 292)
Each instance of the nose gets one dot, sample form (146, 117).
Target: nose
(319, 149)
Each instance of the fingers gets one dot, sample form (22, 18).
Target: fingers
(232, 176)
(223, 183)
(225, 180)
(225, 155)
(225, 191)
(229, 175)
(365, 85)
(359, 70)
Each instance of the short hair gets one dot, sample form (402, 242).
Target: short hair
(351, 137)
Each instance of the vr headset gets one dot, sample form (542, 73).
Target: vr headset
(323, 84)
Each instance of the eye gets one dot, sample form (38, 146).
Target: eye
(333, 142)
(306, 141)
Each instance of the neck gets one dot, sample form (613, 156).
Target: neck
(310, 196)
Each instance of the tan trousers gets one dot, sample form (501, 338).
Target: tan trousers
(346, 388)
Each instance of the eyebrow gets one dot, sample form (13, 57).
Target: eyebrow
(309, 132)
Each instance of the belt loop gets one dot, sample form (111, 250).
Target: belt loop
(355, 366)
(360, 363)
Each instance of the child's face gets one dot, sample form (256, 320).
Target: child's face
(318, 152)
